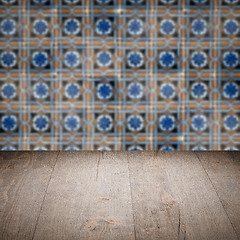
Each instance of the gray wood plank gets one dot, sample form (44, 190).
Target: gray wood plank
(156, 211)
(24, 177)
(88, 198)
(223, 168)
(202, 215)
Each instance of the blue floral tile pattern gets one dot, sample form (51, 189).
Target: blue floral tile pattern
(40, 59)
(9, 123)
(104, 58)
(72, 59)
(135, 122)
(231, 27)
(167, 122)
(199, 59)
(103, 26)
(40, 90)
(72, 123)
(199, 90)
(167, 59)
(135, 27)
(40, 123)
(8, 59)
(8, 26)
(72, 90)
(72, 26)
(8, 90)
(40, 27)
(135, 59)
(199, 27)
(135, 90)
(167, 27)
(104, 91)
(167, 90)
(119, 75)
(104, 123)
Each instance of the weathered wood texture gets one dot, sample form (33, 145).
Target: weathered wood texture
(89, 197)
(24, 177)
(201, 214)
(223, 171)
(119, 195)
(156, 212)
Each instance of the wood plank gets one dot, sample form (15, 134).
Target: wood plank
(156, 212)
(88, 197)
(24, 177)
(202, 215)
(223, 168)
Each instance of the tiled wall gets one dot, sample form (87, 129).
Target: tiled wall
(119, 74)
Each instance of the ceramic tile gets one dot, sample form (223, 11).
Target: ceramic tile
(119, 74)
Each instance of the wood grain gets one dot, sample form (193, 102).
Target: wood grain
(201, 215)
(119, 195)
(24, 177)
(88, 198)
(156, 212)
(223, 170)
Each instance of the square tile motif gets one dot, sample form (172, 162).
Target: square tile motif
(120, 75)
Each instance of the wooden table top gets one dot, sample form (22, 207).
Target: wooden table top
(119, 195)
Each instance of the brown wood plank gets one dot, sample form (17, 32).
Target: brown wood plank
(88, 197)
(201, 214)
(24, 177)
(156, 212)
(223, 168)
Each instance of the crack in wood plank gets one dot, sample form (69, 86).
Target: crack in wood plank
(98, 162)
(130, 185)
(45, 193)
(179, 223)
(235, 231)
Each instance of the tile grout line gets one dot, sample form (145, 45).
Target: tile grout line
(45, 193)
(217, 194)
(130, 185)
